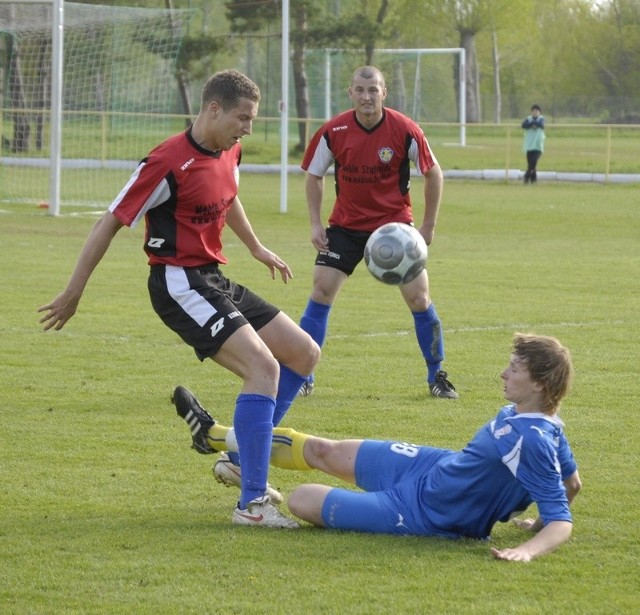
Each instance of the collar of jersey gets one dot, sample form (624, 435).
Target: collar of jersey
(555, 419)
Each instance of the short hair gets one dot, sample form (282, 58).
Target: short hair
(227, 87)
(549, 364)
(369, 72)
(536, 107)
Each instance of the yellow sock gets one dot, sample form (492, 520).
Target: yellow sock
(217, 437)
(287, 446)
(287, 449)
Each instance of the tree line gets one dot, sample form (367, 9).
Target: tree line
(577, 57)
(580, 56)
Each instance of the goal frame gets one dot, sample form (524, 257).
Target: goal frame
(61, 62)
(55, 110)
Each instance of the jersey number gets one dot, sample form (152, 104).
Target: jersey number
(402, 448)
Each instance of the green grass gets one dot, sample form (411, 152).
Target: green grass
(105, 509)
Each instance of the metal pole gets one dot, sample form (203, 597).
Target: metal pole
(463, 97)
(327, 84)
(55, 124)
(284, 108)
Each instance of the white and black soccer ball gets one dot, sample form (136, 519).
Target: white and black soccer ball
(396, 253)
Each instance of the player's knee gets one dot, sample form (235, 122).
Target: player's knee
(306, 502)
(312, 355)
(318, 451)
(305, 356)
(297, 503)
(418, 303)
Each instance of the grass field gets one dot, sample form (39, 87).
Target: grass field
(104, 508)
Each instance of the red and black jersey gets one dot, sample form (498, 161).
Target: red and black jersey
(184, 193)
(371, 167)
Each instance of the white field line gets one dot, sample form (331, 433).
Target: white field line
(402, 333)
(502, 327)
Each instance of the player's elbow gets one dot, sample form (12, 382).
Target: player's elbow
(562, 530)
(573, 485)
(435, 172)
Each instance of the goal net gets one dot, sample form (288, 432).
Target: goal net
(424, 84)
(119, 96)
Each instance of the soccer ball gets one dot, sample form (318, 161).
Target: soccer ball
(395, 253)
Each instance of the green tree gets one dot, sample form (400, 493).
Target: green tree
(314, 24)
(615, 55)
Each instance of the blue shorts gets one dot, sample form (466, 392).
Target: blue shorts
(391, 475)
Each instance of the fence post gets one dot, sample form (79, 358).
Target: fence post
(103, 145)
(608, 160)
(508, 156)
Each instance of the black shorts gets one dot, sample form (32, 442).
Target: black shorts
(345, 249)
(203, 307)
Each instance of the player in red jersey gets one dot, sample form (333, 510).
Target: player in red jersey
(186, 190)
(371, 148)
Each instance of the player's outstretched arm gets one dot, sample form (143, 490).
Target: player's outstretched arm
(64, 306)
(572, 484)
(549, 538)
(239, 223)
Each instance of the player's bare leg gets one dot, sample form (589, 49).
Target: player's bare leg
(290, 345)
(306, 503)
(327, 283)
(335, 457)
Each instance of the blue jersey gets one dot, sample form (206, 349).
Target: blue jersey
(512, 461)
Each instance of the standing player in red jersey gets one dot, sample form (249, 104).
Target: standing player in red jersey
(371, 148)
(186, 190)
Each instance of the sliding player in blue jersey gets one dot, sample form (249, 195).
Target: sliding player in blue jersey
(521, 456)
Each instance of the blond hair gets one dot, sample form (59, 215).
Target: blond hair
(549, 364)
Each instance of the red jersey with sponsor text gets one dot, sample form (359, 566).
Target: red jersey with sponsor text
(184, 192)
(371, 167)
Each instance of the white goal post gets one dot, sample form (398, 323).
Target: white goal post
(55, 122)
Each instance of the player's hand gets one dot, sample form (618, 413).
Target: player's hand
(427, 233)
(319, 238)
(59, 311)
(511, 555)
(274, 263)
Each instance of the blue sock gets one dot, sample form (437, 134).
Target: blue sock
(314, 321)
(288, 387)
(253, 425)
(430, 340)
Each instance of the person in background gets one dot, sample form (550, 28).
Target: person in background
(519, 457)
(533, 145)
(186, 189)
(371, 148)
